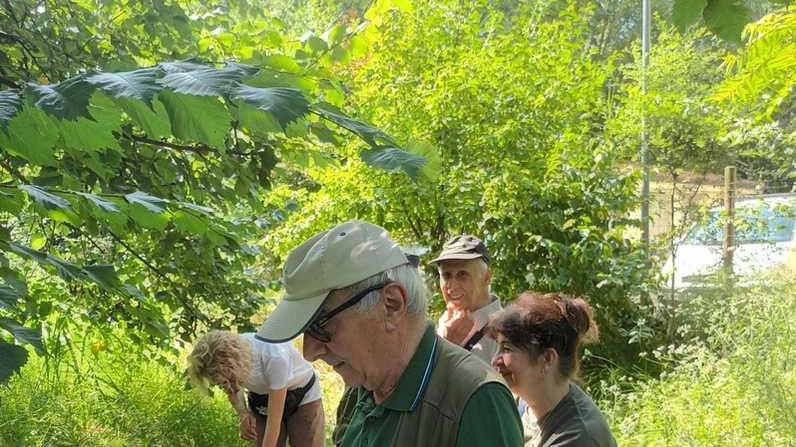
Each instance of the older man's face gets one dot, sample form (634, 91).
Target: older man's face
(464, 283)
(354, 349)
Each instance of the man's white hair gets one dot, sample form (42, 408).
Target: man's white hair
(406, 275)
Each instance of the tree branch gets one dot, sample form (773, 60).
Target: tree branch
(198, 149)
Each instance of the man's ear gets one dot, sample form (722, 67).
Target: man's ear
(488, 276)
(395, 301)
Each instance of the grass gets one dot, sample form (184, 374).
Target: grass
(734, 385)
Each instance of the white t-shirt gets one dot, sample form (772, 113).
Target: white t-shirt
(279, 365)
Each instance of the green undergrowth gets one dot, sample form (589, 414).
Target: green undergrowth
(729, 381)
(124, 404)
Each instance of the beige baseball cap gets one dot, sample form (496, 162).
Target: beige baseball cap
(331, 260)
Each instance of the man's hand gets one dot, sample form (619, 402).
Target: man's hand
(456, 325)
(248, 427)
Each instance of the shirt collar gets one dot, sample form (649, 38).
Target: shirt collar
(415, 378)
(481, 316)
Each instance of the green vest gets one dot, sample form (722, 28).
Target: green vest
(456, 376)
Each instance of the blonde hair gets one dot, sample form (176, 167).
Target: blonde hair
(219, 358)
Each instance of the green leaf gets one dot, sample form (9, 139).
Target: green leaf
(197, 118)
(66, 270)
(67, 100)
(153, 121)
(11, 201)
(151, 203)
(256, 121)
(104, 205)
(317, 44)
(8, 297)
(104, 275)
(46, 199)
(97, 133)
(285, 104)
(148, 219)
(433, 164)
(372, 135)
(189, 223)
(336, 34)
(394, 159)
(10, 105)
(138, 84)
(12, 358)
(282, 62)
(687, 12)
(31, 135)
(22, 334)
(726, 19)
(207, 81)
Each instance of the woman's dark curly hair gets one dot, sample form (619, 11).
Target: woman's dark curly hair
(535, 322)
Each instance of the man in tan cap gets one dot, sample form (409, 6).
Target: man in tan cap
(363, 307)
(464, 279)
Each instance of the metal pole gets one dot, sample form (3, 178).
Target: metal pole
(644, 157)
(728, 245)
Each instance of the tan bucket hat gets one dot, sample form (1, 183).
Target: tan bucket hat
(331, 260)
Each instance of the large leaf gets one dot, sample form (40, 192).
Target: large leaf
(67, 100)
(687, 12)
(153, 121)
(151, 203)
(197, 118)
(11, 201)
(97, 133)
(207, 81)
(138, 84)
(66, 270)
(12, 357)
(25, 335)
(393, 159)
(46, 199)
(285, 104)
(372, 135)
(104, 275)
(31, 135)
(8, 297)
(10, 103)
(104, 205)
(433, 164)
(726, 18)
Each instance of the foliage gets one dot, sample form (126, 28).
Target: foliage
(724, 18)
(517, 141)
(760, 90)
(119, 181)
(729, 381)
(114, 403)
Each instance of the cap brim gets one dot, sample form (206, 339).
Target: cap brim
(290, 318)
(456, 256)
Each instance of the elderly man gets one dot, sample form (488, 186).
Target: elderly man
(464, 278)
(363, 307)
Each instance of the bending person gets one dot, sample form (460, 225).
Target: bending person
(273, 389)
(539, 338)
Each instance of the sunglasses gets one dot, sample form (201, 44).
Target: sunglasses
(316, 329)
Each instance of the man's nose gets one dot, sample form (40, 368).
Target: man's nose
(497, 361)
(313, 348)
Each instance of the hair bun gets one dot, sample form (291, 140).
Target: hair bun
(579, 315)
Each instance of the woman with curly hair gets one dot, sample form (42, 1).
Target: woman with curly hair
(270, 385)
(539, 337)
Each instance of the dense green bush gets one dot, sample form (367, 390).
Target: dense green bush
(729, 382)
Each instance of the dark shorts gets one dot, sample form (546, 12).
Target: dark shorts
(258, 403)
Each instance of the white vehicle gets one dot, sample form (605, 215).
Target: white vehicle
(765, 237)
